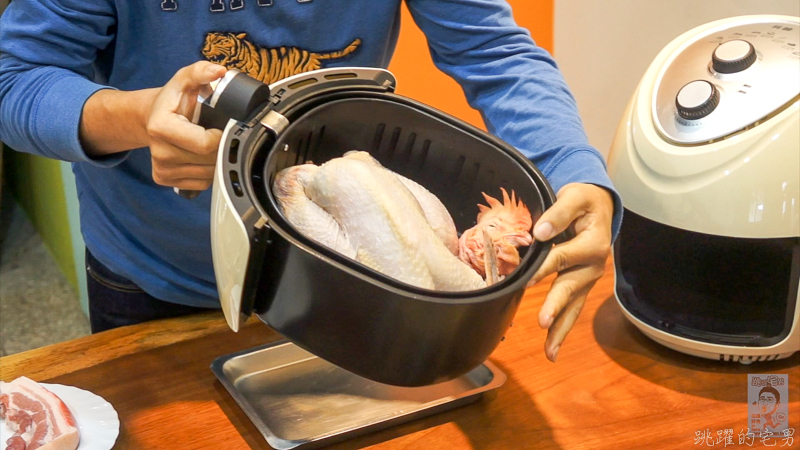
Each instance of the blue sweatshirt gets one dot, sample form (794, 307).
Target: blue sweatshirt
(54, 54)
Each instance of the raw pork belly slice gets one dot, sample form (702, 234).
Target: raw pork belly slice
(39, 419)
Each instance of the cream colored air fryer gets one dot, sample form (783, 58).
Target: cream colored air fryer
(707, 161)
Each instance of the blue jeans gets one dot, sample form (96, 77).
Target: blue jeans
(115, 301)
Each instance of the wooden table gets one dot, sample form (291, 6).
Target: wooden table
(611, 388)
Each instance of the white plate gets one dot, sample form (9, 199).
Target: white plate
(97, 419)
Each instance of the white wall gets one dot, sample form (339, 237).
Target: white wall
(604, 47)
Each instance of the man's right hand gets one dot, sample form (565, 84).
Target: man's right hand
(183, 153)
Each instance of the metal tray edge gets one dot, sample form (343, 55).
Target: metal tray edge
(498, 379)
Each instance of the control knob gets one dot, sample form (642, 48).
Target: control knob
(733, 56)
(697, 99)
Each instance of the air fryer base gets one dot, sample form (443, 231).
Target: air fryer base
(743, 355)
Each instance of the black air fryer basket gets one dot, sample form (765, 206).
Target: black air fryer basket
(334, 307)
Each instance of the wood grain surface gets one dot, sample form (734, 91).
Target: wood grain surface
(611, 388)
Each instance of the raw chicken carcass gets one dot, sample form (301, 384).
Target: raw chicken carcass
(39, 419)
(305, 215)
(381, 220)
(433, 208)
(385, 221)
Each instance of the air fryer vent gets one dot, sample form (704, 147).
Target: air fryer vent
(400, 149)
(747, 359)
(307, 144)
(386, 150)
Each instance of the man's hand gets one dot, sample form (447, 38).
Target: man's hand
(183, 154)
(579, 262)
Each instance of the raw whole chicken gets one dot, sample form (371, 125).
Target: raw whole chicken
(393, 225)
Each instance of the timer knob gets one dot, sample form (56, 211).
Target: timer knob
(697, 99)
(733, 56)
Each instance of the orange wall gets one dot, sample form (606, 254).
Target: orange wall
(419, 79)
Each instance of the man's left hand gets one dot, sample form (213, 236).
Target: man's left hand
(579, 262)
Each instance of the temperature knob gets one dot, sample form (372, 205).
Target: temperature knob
(697, 99)
(733, 56)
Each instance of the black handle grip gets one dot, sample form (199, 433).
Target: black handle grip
(187, 194)
(237, 99)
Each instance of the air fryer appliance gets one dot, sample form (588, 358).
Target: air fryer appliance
(330, 305)
(707, 161)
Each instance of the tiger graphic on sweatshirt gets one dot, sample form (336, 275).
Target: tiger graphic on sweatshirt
(235, 51)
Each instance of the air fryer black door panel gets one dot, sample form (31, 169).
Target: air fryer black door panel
(721, 290)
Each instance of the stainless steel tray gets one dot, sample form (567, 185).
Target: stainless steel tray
(298, 400)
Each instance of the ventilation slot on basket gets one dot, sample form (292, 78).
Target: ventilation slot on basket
(303, 149)
(296, 153)
(423, 154)
(303, 83)
(459, 166)
(233, 152)
(318, 141)
(409, 152)
(395, 154)
(334, 76)
(393, 142)
(410, 144)
(308, 146)
(376, 141)
(235, 184)
(468, 177)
